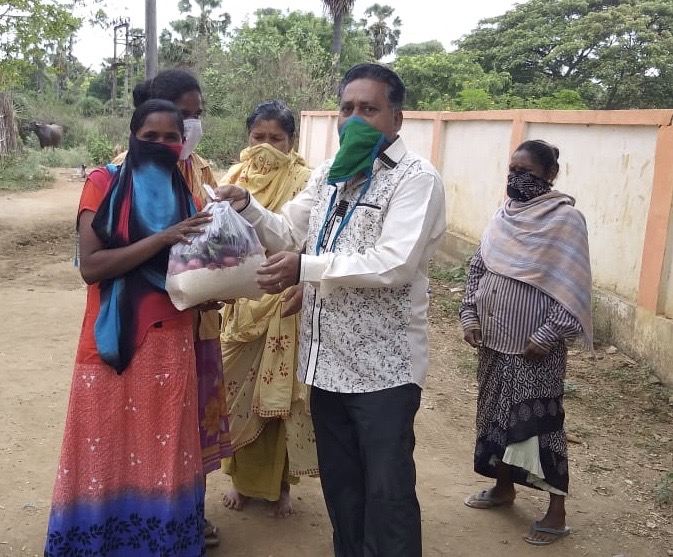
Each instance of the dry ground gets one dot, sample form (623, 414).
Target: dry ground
(619, 419)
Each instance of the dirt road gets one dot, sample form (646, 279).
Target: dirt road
(619, 418)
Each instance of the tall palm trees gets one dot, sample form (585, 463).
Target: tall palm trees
(384, 37)
(196, 33)
(337, 9)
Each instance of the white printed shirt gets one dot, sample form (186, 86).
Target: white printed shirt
(364, 321)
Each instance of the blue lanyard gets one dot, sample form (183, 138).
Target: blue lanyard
(329, 214)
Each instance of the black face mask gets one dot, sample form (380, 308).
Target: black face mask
(524, 186)
(163, 155)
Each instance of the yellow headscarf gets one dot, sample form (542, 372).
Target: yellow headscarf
(269, 174)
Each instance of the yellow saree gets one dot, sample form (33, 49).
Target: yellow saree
(259, 355)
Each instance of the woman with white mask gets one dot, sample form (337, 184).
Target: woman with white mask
(183, 90)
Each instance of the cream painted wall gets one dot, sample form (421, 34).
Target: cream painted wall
(318, 137)
(473, 161)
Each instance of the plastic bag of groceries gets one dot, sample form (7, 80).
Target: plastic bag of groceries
(219, 264)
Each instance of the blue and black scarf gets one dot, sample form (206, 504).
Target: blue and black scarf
(147, 194)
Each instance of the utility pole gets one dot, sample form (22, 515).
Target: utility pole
(151, 52)
(127, 63)
(120, 58)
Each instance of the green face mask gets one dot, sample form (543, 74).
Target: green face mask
(360, 144)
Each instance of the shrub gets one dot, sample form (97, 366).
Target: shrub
(100, 148)
(114, 128)
(223, 139)
(90, 106)
(75, 131)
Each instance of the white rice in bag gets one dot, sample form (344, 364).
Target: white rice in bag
(219, 264)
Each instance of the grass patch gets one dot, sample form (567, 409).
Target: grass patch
(616, 383)
(25, 172)
(448, 287)
(467, 364)
(597, 468)
(450, 307)
(570, 388)
(29, 169)
(663, 491)
(455, 274)
(582, 431)
(64, 158)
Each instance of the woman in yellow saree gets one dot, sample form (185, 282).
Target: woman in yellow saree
(270, 425)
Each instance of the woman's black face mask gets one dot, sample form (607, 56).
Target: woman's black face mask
(524, 186)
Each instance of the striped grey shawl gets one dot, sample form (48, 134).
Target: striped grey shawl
(544, 243)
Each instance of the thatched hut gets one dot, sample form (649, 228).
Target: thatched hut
(9, 131)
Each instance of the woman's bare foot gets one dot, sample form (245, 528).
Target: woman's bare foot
(234, 500)
(282, 507)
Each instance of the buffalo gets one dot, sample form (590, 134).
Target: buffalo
(49, 135)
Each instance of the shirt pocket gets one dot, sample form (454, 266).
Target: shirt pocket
(364, 228)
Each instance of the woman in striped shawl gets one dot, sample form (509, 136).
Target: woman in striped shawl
(528, 291)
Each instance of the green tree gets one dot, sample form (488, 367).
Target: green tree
(615, 53)
(384, 37)
(206, 25)
(281, 55)
(563, 99)
(29, 29)
(192, 35)
(420, 49)
(100, 85)
(435, 81)
(473, 99)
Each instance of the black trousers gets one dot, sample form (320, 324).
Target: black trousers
(365, 448)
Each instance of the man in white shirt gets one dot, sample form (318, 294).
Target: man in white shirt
(367, 223)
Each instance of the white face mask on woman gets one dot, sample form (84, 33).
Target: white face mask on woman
(193, 134)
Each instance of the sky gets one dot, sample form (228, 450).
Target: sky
(422, 20)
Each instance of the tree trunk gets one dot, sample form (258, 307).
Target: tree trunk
(336, 48)
(9, 132)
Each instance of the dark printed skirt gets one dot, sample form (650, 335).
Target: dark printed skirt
(520, 399)
(213, 419)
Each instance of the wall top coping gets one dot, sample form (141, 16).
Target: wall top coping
(649, 117)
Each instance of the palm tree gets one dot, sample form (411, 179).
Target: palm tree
(337, 9)
(195, 33)
(206, 26)
(384, 38)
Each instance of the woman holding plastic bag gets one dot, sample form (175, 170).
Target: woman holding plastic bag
(271, 429)
(129, 480)
(183, 89)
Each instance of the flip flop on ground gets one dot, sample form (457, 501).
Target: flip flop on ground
(543, 535)
(485, 500)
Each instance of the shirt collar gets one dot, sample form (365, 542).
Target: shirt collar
(388, 159)
(393, 154)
